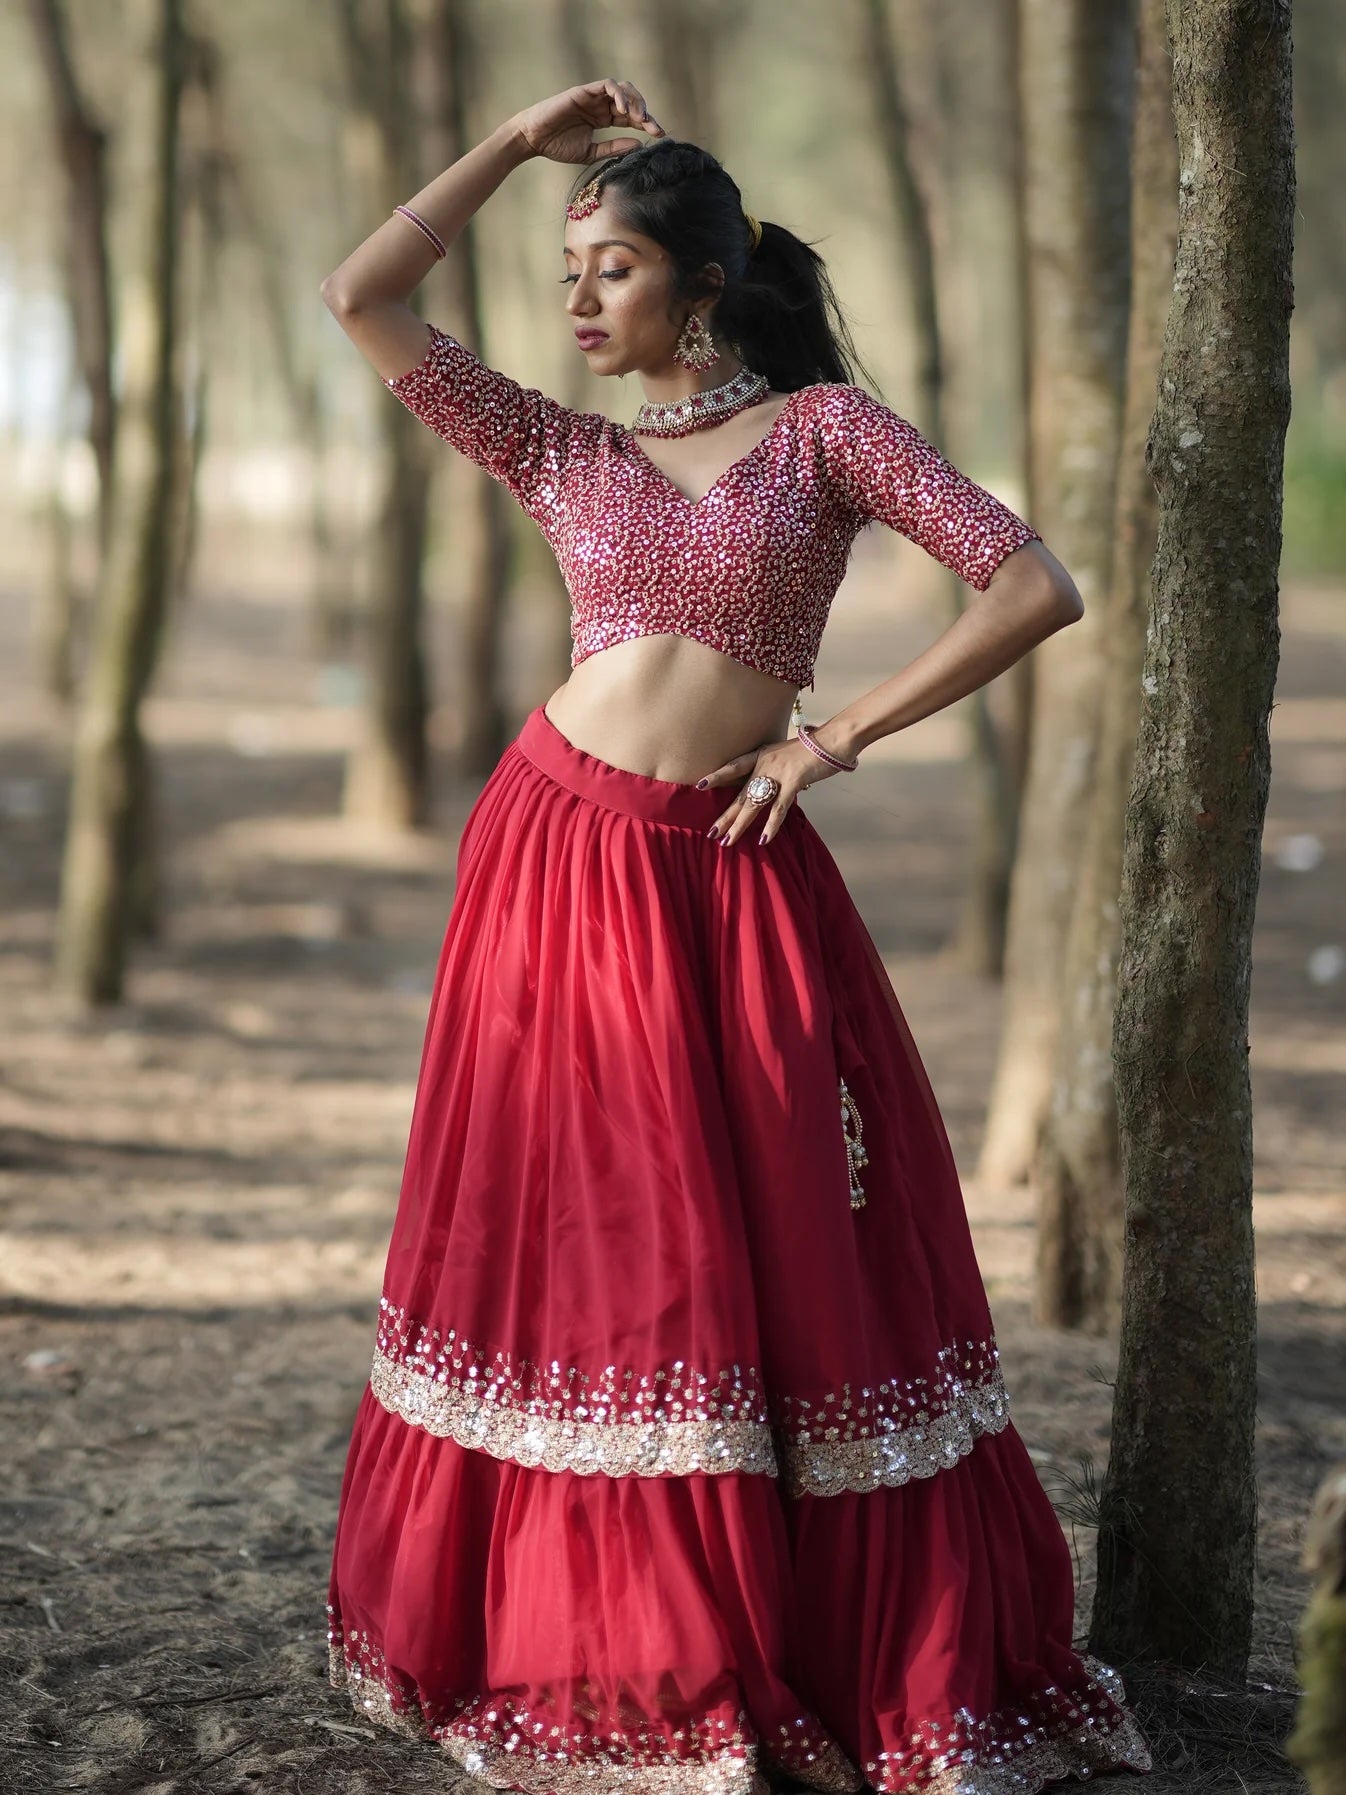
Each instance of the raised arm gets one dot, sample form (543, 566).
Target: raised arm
(520, 436)
(368, 293)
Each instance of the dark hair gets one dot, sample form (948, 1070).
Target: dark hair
(777, 306)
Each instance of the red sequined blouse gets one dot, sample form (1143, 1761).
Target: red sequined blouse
(751, 567)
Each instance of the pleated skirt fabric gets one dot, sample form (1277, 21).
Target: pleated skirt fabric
(686, 1462)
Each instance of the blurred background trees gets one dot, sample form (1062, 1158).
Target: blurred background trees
(995, 189)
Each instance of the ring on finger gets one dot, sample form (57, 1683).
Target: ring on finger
(762, 789)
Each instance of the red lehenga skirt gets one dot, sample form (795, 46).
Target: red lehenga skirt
(685, 1458)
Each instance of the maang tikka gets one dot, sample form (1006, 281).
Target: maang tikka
(590, 196)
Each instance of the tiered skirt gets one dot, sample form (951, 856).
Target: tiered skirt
(685, 1459)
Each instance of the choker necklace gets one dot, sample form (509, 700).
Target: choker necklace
(675, 417)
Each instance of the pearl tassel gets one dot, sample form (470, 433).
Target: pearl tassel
(855, 1153)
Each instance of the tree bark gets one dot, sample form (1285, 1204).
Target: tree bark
(331, 604)
(387, 772)
(204, 227)
(1178, 1512)
(82, 142)
(109, 808)
(1075, 80)
(978, 941)
(1078, 1172)
(486, 536)
(1019, 680)
(579, 61)
(57, 612)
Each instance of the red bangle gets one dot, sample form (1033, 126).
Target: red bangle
(803, 732)
(421, 225)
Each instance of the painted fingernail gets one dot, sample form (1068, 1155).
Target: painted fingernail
(713, 831)
(724, 841)
(701, 784)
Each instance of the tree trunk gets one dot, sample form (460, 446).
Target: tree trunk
(579, 61)
(331, 605)
(1075, 78)
(1019, 680)
(386, 778)
(82, 143)
(1318, 1743)
(1078, 1172)
(386, 774)
(204, 226)
(109, 809)
(978, 939)
(678, 33)
(490, 524)
(58, 607)
(1178, 1513)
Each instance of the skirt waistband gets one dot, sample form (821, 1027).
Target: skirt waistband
(635, 794)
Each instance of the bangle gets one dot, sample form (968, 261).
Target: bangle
(422, 226)
(804, 733)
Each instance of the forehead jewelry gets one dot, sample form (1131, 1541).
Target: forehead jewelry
(590, 196)
(586, 200)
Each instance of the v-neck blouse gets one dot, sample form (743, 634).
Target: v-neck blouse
(751, 567)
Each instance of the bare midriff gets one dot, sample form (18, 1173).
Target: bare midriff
(669, 707)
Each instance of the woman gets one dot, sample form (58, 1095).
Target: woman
(685, 1460)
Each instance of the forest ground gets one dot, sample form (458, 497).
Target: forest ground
(198, 1186)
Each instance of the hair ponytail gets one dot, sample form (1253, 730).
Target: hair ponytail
(777, 305)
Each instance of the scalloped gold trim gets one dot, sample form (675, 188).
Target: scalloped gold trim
(918, 1448)
(616, 1448)
(1017, 1750)
(857, 1441)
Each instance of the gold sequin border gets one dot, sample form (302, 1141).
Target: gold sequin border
(1076, 1733)
(679, 1445)
(489, 1738)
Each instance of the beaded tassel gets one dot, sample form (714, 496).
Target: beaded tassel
(855, 1153)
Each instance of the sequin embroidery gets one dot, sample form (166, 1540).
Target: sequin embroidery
(752, 566)
(1015, 1749)
(676, 1419)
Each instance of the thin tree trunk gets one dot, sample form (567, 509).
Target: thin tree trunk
(204, 226)
(490, 524)
(200, 229)
(1178, 1517)
(331, 605)
(82, 142)
(109, 805)
(977, 943)
(387, 772)
(386, 777)
(1078, 1172)
(1075, 73)
(1019, 680)
(58, 606)
(580, 60)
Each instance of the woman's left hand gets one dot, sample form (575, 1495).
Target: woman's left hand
(789, 762)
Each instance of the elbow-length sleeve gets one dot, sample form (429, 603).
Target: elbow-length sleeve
(522, 438)
(886, 469)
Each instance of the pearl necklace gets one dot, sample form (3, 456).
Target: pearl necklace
(676, 417)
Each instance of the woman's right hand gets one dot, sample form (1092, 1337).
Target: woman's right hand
(562, 128)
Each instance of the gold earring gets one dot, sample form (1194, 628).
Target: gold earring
(695, 347)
